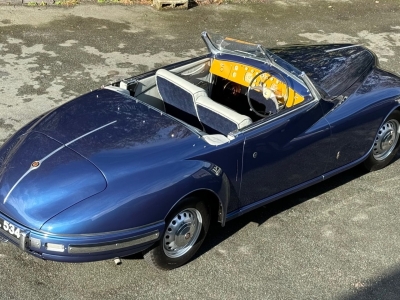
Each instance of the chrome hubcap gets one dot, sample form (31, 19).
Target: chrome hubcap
(182, 232)
(386, 139)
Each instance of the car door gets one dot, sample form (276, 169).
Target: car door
(284, 151)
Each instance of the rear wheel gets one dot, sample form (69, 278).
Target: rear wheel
(186, 228)
(386, 143)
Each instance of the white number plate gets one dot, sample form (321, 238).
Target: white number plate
(9, 228)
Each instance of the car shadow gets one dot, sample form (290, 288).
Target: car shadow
(386, 287)
(217, 234)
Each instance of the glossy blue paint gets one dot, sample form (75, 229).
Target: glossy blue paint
(111, 168)
(115, 237)
(333, 68)
(262, 202)
(355, 121)
(28, 193)
(136, 200)
(285, 151)
(229, 158)
(142, 143)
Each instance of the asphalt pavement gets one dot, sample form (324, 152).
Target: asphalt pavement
(336, 240)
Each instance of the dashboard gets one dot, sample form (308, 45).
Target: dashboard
(243, 74)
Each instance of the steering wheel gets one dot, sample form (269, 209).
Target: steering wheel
(259, 92)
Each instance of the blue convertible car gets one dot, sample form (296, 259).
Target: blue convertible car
(147, 163)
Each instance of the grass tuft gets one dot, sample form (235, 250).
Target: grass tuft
(126, 2)
(66, 2)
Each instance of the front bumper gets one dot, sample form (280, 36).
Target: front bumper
(83, 247)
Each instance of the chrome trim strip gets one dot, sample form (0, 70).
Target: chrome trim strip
(29, 170)
(85, 235)
(51, 154)
(14, 186)
(90, 132)
(296, 188)
(116, 245)
(341, 48)
(259, 203)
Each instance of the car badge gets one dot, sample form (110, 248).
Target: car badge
(35, 164)
(217, 170)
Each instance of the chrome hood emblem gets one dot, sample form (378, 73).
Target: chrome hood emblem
(35, 164)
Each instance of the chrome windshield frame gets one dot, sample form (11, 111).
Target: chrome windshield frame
(216, 49)
(266, 58)
(269, 59)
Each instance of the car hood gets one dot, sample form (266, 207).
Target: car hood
(333, 68)
(40, 177)
(118, 133)
(82, 147)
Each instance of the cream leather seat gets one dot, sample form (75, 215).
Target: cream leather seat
(191, 104)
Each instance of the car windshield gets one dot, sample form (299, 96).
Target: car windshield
(217, 43)
(221, 44)
(226, 44)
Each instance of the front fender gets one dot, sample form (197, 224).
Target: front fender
(223, 196)
(141, 198)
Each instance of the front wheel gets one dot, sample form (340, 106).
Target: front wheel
(386, 143)
(186, 228)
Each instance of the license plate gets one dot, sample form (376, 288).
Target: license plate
(10, 230)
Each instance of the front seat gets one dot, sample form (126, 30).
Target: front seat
(179, 97)
(217, 118)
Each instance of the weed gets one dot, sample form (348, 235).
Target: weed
(66, 2)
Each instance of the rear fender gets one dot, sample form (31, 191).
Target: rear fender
(355, 121)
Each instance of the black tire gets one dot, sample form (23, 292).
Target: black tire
(386, 143)
(181, 238)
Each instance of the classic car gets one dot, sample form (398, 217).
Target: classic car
(146, 164)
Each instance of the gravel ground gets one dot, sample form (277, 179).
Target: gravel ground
(336, 240)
